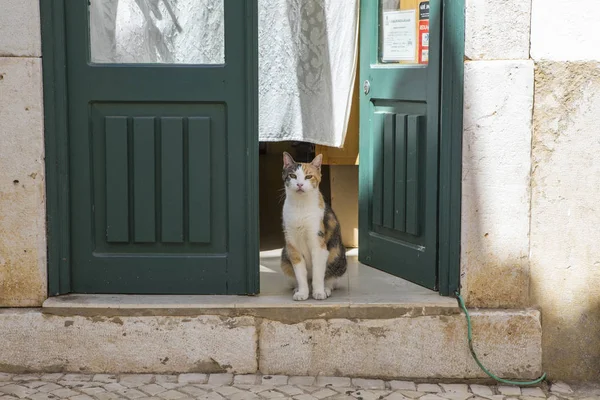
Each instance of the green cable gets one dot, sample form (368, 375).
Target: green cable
(461, 304)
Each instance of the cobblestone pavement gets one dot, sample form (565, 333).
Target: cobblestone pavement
(240, 387)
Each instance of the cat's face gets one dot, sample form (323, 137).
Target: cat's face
(301, 178)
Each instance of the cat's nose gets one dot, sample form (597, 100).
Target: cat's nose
(300, 184)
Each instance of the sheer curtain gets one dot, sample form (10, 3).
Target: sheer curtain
(307, 54)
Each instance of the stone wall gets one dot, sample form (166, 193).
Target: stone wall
(531, 171)
(565, 211)
(22, 194)
(498, 101)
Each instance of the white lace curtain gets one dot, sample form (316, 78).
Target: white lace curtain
(307, 54)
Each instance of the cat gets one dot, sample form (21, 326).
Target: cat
(313, 241)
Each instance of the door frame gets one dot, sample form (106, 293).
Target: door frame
(52, 13)
(450, 147)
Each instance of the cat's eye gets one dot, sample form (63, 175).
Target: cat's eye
(293, 176)
(308, 177)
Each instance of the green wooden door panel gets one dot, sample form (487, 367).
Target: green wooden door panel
(144, 180)
(198, 155)
(161, 168)
(399, 140)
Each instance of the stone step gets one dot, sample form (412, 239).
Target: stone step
(389, 341)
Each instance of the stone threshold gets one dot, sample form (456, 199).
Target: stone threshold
(273, 307)
(428, 347)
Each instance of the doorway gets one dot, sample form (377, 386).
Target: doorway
(109, 234)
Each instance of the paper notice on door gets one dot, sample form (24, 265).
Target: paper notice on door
(399, 36)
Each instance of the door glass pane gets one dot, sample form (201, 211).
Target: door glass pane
(403, 32)
(157, 31)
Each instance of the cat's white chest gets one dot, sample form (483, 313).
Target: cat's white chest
(302, 226)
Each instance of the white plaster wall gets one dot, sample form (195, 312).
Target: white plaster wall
(565, 30)
(23, 277)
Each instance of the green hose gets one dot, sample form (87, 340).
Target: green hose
(461, 304)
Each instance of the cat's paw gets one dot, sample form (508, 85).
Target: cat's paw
(321, 295)
(300, 296)
(328, 291)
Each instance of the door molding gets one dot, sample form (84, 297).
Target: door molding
(52, 13)
(451, 132)
(53, 33)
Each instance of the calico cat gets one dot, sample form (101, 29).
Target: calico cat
(313, 241)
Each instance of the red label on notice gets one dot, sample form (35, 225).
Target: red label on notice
(423, 41)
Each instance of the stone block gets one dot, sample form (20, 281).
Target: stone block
(497, 30)
(498, 101)
(20, 28)
(509, 342)
(565, 31)
(33, 341)
(23, 276)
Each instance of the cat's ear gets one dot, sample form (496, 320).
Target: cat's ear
(288, 161)
(318, 160)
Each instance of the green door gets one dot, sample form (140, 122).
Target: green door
(399, 137)
(162, 152)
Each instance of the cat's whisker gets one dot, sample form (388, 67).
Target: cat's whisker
(281, 195)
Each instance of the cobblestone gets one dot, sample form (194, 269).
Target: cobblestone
(509, 390)
(220, 379)
(373, 384)
(333, 381)
(245, 379)
(403, 385)
(455, 388)
(428, 388)
(193, 378)
(482, 391)
(302, 380)
(456, 395)
(259, 387)
(556, 387)
(275, 380)
(533, 392)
